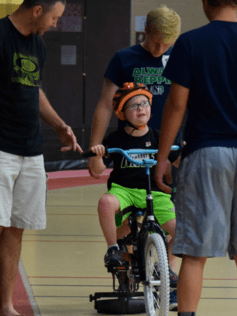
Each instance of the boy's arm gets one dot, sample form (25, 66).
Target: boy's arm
(97, 164)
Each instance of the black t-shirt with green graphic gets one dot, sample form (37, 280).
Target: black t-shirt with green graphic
(125, 173)
(21, 63)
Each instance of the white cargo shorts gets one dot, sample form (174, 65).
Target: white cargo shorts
(23, 190)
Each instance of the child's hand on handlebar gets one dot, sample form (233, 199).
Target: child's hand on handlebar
(99, 150)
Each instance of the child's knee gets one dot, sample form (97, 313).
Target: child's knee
(108, 202)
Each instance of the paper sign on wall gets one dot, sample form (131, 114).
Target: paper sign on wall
(140, 22)
(68, 55)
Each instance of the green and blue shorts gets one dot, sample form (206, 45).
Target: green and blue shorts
(162, 205)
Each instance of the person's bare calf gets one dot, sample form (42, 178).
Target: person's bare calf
(190, 283)
(10, 245)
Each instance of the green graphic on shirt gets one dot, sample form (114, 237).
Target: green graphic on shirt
(151, 76)
(140, 157)
(26, 70)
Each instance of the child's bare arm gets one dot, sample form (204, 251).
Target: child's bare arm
(97, 163)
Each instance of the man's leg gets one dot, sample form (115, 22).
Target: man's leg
(190, 283)
(10, 249)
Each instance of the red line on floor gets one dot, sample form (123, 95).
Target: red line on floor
(65, 277)
(72, 214)
(63, 241)
(62, 183)
(220, 279)
(74, 178)
(73, 173)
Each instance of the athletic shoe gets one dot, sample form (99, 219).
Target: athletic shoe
(172, 275)
(113, 257)
(173, 279)
(173, 301)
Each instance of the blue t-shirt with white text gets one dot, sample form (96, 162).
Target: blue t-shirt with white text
(204, 61)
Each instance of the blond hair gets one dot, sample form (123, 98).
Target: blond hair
(165, 21)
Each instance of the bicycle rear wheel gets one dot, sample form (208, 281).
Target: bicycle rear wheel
(156, 289)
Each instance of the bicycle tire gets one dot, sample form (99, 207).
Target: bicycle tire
(156, 267)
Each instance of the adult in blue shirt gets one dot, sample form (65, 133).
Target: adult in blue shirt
(202, 68)
(142, 63)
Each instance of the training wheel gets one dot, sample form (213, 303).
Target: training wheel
(121, 305)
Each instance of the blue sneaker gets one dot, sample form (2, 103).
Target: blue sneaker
(173, 301)
(173, 279)
(172, 275)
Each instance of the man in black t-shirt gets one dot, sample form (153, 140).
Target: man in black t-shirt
(22, 104)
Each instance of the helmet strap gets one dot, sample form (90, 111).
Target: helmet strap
(135, 127)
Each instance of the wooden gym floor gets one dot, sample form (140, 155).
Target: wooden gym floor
(64, 263)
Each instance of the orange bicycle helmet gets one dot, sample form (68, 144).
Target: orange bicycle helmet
(129, 90)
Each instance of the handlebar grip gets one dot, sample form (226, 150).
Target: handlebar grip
(88, 154)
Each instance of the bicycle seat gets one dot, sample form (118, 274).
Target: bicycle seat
(137, 212)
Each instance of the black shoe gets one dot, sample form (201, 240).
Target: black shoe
(113, 257)
(173, 279)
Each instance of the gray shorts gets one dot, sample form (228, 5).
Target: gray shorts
(206, 204)
(22, 191)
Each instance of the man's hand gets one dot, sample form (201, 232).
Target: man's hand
(163, 168)
(68, 139)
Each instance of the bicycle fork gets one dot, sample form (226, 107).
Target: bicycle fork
(150, 226)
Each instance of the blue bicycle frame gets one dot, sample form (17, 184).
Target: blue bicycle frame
(150, 224)
(147, 163)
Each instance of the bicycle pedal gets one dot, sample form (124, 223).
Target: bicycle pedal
(114, 269)
(125, 267)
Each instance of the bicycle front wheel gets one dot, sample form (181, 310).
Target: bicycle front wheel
(156, 289)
